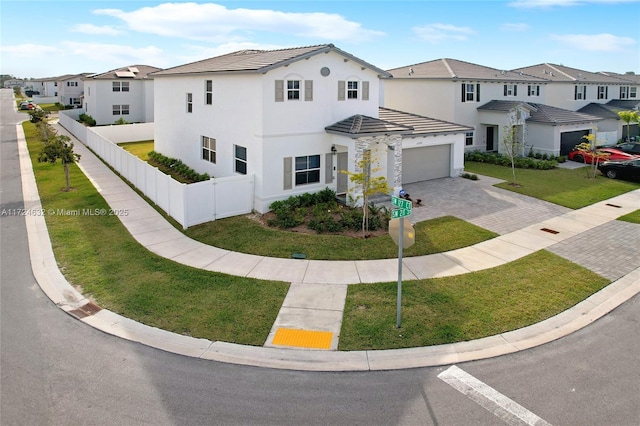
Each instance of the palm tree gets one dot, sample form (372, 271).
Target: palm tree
(629, 117)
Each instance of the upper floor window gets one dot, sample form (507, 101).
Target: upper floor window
(580, 92)
(240, 154)
(72, 84)
(352, 90)
(293, 90)
(533, 90)
(307, 169)
(189, 102)
(470, 92)
(209, 149)
(511, 90)
(633, 92)
(208, 92)
(603, 92)
(120, 86)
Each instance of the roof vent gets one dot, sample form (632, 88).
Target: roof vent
(410, 70)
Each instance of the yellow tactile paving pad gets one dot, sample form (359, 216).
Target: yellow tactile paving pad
(303, 338)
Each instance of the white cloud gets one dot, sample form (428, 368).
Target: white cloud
(514, 27)
(216, 23)
(117, 55)
(435, 33)
(595, 42)
(529, 4)
(97, 30)
(29, 50)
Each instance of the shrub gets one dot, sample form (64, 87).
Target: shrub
(469, 176)
(86, 119)
(178, 167)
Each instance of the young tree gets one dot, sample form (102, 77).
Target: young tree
(629, 117)
(511, 146)
(589, 148)
(366, 185)
(59, 147)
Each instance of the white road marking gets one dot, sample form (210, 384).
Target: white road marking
(490, 399)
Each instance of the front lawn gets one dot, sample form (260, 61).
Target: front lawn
(464, 307)
(567, 187)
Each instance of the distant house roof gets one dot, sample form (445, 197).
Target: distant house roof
(541, 113)
(601, 110)
(136, 72)
(553, 72)
(260, 61)
(632, 78)
(71, 76)
(453, 69)
(624, 104)
(358, 126)
(421, 125)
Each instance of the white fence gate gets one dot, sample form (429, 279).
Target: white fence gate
(190, 204)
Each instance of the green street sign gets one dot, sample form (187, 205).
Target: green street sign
(401, 203)
(398, 213)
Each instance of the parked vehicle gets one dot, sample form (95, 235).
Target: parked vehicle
(621, 169)
(629, 147)
(609, 154)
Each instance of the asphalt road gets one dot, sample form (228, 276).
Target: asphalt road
(56, 370)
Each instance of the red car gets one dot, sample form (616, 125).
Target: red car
(606, 154)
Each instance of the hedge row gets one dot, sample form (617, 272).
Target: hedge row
(178, 167)
(520, 162)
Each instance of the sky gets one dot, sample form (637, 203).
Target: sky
(50, 38)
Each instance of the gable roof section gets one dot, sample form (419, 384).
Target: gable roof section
(142, 72)
(453, 69)
(541, 113)
(422, 125)
(560, 73)
(72, 76)
(601, 110)
(624, 104)
(260, 61)
(358, 126)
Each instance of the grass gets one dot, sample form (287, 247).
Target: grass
(240, 234)
(98, 255)
(633, 217)
(139, 149)
(566, 187)
(52, 107)
(465, 307)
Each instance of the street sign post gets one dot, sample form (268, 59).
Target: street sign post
(403, 210)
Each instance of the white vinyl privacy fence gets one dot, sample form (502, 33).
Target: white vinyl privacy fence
(190, 204)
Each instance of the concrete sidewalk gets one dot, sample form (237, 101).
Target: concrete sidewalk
(318, 289)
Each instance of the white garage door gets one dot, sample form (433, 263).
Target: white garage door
(429, 162)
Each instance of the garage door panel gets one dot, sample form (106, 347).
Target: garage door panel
(570, 139)
(425, 163)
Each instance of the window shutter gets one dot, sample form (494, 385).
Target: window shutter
(308, 90)
(515, 90)
(279, 90)
(464, 93)
(606, 92)
(478, 92)
(505, 90)
(575, 93)
(365, 90)
(341, 86)
(529, 90)
(328, 168)
(537, 90)
(287, 178)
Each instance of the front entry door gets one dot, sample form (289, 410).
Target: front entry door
(343, 164)
(490, 138)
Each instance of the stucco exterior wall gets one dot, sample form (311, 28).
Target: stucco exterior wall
(435, 99)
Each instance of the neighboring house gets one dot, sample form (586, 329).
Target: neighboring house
(71, 89)
(125, 93)
(11, 83)
(611, 123)
(488, 100)
(294, 118)
(572, 89)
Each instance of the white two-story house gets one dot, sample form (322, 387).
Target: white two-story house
(126, 93)
(488, 100)
(294, 118)
(71, 89)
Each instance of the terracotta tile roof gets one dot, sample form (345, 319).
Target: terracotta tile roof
(422, 125)
(553, 72)
(541, 113)
(142, 71)
(361, 125)
(453, 69)
(259, 61)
